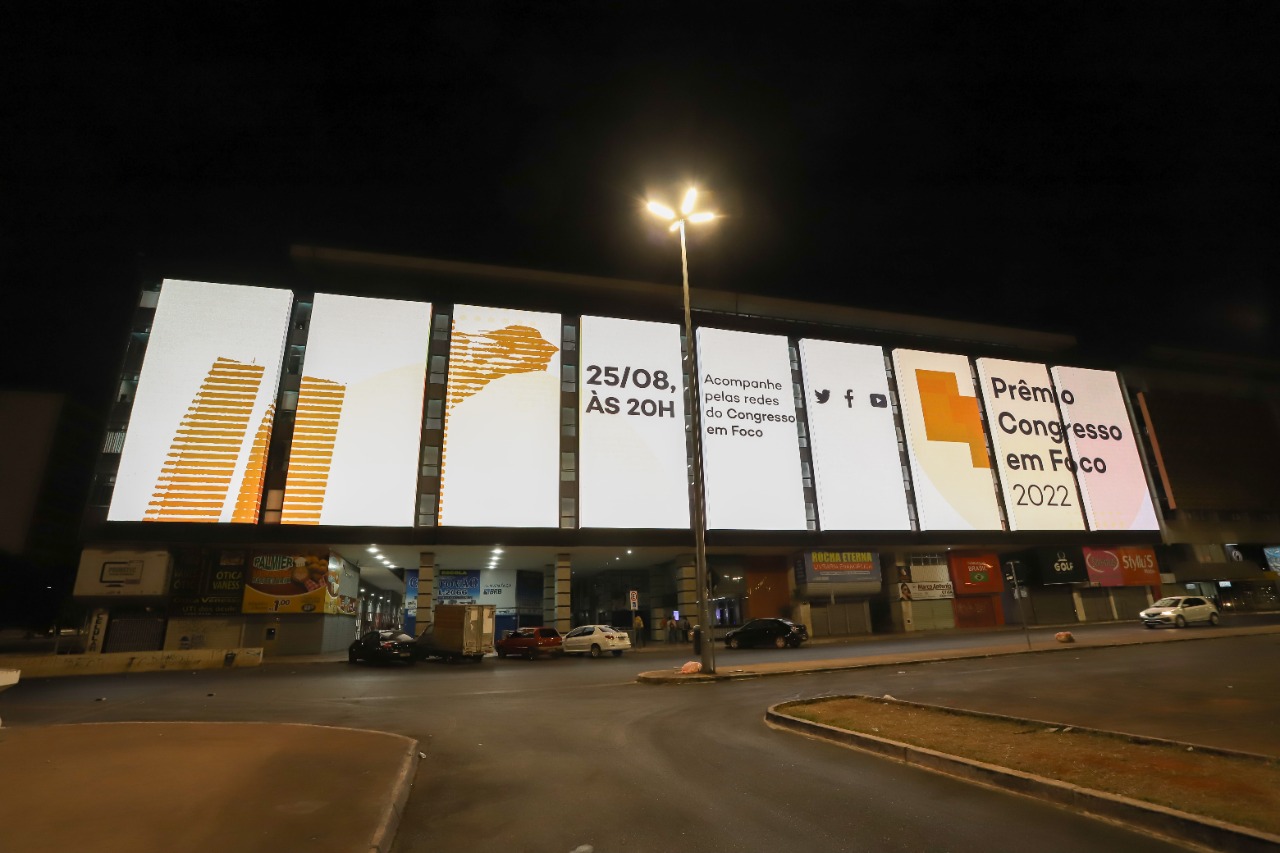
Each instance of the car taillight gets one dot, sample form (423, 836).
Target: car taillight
(386, 644)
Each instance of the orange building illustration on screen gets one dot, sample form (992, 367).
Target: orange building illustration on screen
(315, 432)
(196, 478)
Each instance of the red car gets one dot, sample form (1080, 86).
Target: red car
(530, 642)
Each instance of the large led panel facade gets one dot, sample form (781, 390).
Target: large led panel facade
(750, 446)
(357, 435)
(196, 448)
(1112, 482)
(632, 458)
(500, 465)
(946, 442)
(857, 470)
(1030, 446)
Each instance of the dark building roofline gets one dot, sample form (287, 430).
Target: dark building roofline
(722, 302)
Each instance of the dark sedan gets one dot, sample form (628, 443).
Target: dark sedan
(767, 632)
(383, 647)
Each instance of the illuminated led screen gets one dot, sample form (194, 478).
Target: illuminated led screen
(500, 465)
(632, 468)
(945, 442)
(750, 447)
(858, 474)
(1030, 446)
(196, 448)
(1104, 451)
(356, 438)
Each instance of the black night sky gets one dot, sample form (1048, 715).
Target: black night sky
(1105, 169)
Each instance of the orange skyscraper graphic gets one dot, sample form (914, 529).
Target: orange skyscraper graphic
(195, 480)
(311, 458)
(250, 498)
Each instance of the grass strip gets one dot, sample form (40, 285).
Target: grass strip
(1237, 790)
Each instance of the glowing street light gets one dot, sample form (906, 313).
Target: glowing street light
(692, 397)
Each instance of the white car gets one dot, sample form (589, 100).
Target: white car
(1179, 611)
(595, 640)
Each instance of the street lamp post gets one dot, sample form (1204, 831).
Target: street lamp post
(695, 421)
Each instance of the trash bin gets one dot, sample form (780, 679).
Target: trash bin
(229, 659)
(697, 639)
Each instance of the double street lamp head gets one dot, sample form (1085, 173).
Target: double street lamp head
(686, 213)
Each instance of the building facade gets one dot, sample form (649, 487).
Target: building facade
(287, 464)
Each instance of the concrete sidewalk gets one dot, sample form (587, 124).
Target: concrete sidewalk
(202, 788)
(1003, 643)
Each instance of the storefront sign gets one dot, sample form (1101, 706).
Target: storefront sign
(925, 591)
(207, 582)
(457, 586)
(411, 601)
(292, 583)
(975, 574)
(127, 574)
(1123, 566)
(838, 567)
(1060, 565)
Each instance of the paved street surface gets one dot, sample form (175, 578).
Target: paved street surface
(556, 754)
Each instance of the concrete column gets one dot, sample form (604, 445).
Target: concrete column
(687, 590)
(426, 590)
(556, 604)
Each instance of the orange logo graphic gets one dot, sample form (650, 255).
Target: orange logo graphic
(948, 416)
(475, 360)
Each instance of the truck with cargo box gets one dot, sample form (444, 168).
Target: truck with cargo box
(458, 632)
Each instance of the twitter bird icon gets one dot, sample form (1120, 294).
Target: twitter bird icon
(823, 395)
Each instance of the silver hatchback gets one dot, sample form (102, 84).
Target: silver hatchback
(1180, 611)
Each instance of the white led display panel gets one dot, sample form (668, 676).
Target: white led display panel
(858, 474)
(750, 447)
(1030, 446)
(500, 465)
(632, 459)
(946, 444)
(1104, 451)
(357, 434)
(196, 448)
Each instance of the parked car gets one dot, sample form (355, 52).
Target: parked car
(595, 640)
(1180, 611)
(530, 643)
(382, 647)
(767, 632)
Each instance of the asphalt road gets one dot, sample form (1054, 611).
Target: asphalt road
(552, 755)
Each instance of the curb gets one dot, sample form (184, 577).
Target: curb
(1170, 824)
(663, 676)
(389, 821)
